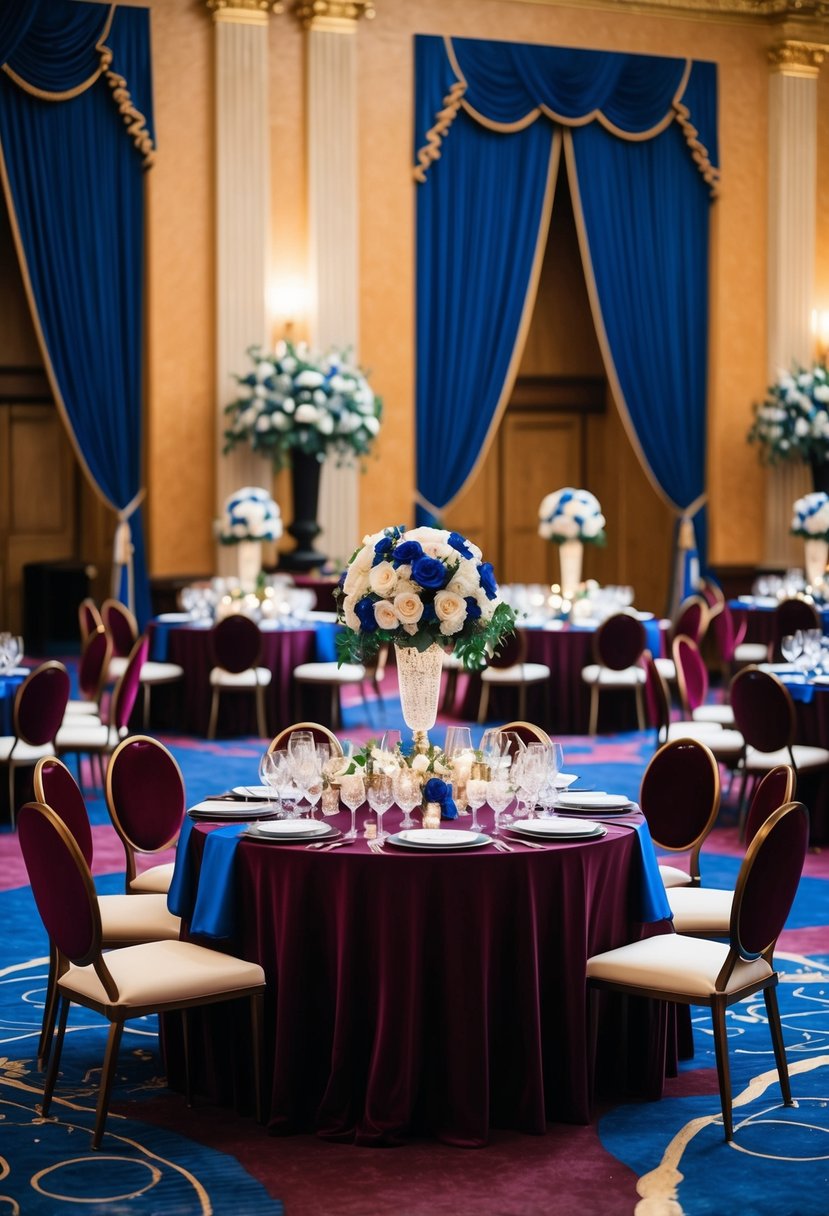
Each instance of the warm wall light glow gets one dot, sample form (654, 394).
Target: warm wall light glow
(288, 303)
(820, 331)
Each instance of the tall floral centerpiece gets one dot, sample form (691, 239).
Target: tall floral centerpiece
(571, 519)
(298, 408)
(427, 591)
(250, 517)
(811, 521)
(792, 422)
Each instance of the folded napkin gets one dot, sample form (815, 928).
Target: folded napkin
(182, 893)
(653, 637)
(650, 899)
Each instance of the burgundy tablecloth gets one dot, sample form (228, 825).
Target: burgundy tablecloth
(438, 994)
(282, 651)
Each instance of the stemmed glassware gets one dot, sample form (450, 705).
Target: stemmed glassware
(352, 795)
(791, 647)
(499, 795)
(380, 795)
(476, 794)
(407, 794)
(272, 767)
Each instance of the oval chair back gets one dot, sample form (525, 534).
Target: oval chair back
(789, 616)
(55, 786)
(768, 881)
(94, 664)
(657, 698)
(321, 734)
(692, 619)
(40, 703)
(691, 674)
(126, 690)
(236, 643)
(526, 732)
(728, 634)
(145, 795)
(776, 788)
(680, 797)
(763, 710)
(89, 618)
(712, 593)
(619, 641)
(121, 626)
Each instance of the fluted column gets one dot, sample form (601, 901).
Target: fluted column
(242, 220)
(333, 224)
(793, 88)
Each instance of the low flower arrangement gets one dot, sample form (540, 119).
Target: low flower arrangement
(811, 516)
(570, 514)
(420, 587)
(295, 400)
(792, 423)
(432, 767)
(249, 514)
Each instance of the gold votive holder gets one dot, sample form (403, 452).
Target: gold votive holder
(431, 815)
(330, 800)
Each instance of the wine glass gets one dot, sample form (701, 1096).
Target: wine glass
(790, 648)
(476, 791)
(458, 740)
(380, 797)
(407, 794)
(499, 796)
(352, 795)
(391, 742)
(271, 767)
(299, 742)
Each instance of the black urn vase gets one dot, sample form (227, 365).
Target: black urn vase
(305, 488)
(820, 474)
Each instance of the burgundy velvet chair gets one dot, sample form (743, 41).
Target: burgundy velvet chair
(89, 618)
(39, 707)
(618, 646)
(236, 647)
(320, 733)
(125, 919)
(727, 746)
(694, 971)
(680, 797)
(789, 616)
(508, 667)
(526, 732)
(733, 650)
(706, 911)
(146, 803)
(765, 716)
(691, 622)
(692, 682)
(122, 628)
(129, 982)
(92, 674)
(80, 737)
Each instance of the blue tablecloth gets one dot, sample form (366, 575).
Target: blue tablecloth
(209, 904)
(9, 684)
(651, 898)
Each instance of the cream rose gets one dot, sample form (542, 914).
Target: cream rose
(349, 615)
(382, 578)
(356, 581)
(450, 609)
(385, 615)
(465, 580)
(409, 607)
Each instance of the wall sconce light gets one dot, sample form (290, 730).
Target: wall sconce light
(820, 332)
(288, 305)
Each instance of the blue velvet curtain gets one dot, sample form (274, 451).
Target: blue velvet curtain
(644, 141)
(15, 18)
(75, 190)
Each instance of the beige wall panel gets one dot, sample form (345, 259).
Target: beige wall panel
(180, 440)
(822, 235)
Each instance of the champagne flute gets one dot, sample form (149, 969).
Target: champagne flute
(352, 795)
(476, 791)
(380, 797)
(407, 794)
(499, 796)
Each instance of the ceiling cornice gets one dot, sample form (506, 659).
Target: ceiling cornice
(805, 19)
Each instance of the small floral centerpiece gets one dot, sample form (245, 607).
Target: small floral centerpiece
(570, 514)
(811, 516)
(792, 423)
(249, 514)
(420, 587)
(297, 401)
(432, 769)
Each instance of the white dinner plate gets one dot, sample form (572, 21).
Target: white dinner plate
(251, 791)
(294, 827)
(217, 808)
(565, 779)
(557, 829)
(438, 838)
(820, 679)
(326, 836)
(175, 618)
(594, 801)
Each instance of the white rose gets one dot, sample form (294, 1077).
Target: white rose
(356, 581)
(289, 405)
(465, 580)
(382, 578)
(263, 422)
(306, 415)
(372, 425)
(309, 379)
(567, 527)
(264, 369)
(592, 526)
(409, 607)
(420, 764)
(281, 422)
(349, 615)
(385, 615)
(801, 427)
(427, 535)
(326, 424)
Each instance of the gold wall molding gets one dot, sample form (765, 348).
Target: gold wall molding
(792, 58)
(244, 12)
(336, 16)
(813, 12)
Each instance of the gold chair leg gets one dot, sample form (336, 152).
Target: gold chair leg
(214, 714)
(185, 1038)
(146, 713)
(723, 1066)
(12, 815)
(54, 1058)
(50, 1009)
(261, 723)
(640, 708)
(594, 709)
(107, 1076)
(773, 1012)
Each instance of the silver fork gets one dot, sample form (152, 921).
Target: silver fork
(502, 846)
(531, 844)
(376, 846)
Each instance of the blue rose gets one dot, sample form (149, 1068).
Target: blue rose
(487, 577)
(460, 543)
(407, 551)
(364, 609)
(382, 550)
(440, 792)
(430, 573)
(473, 608)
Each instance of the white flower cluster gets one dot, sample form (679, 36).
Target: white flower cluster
(793, 421)
(249, 514)
(570, 514)
(811, 516)
(294, 399)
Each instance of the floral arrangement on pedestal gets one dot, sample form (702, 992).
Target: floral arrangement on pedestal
(792, 423)
(811, 522)
(250, 517)
(570, 514)
(297, 401)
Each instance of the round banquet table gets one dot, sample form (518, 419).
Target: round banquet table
(419, 992)
(189, 645)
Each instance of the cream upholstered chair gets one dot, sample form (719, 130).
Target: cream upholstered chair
(692, 620)
(92, 674)
(327, 674)
(695, 971)
(130, 982)
(122, 628)
(726, 745)
(39, 706)
(125, 919)
(508, 668)
(692, 683)
(146, 803)
(236, 645)
(680, 797)
(706, 911)
(618, 646)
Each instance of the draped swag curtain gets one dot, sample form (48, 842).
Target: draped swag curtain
(75, 138)
(639, 136)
